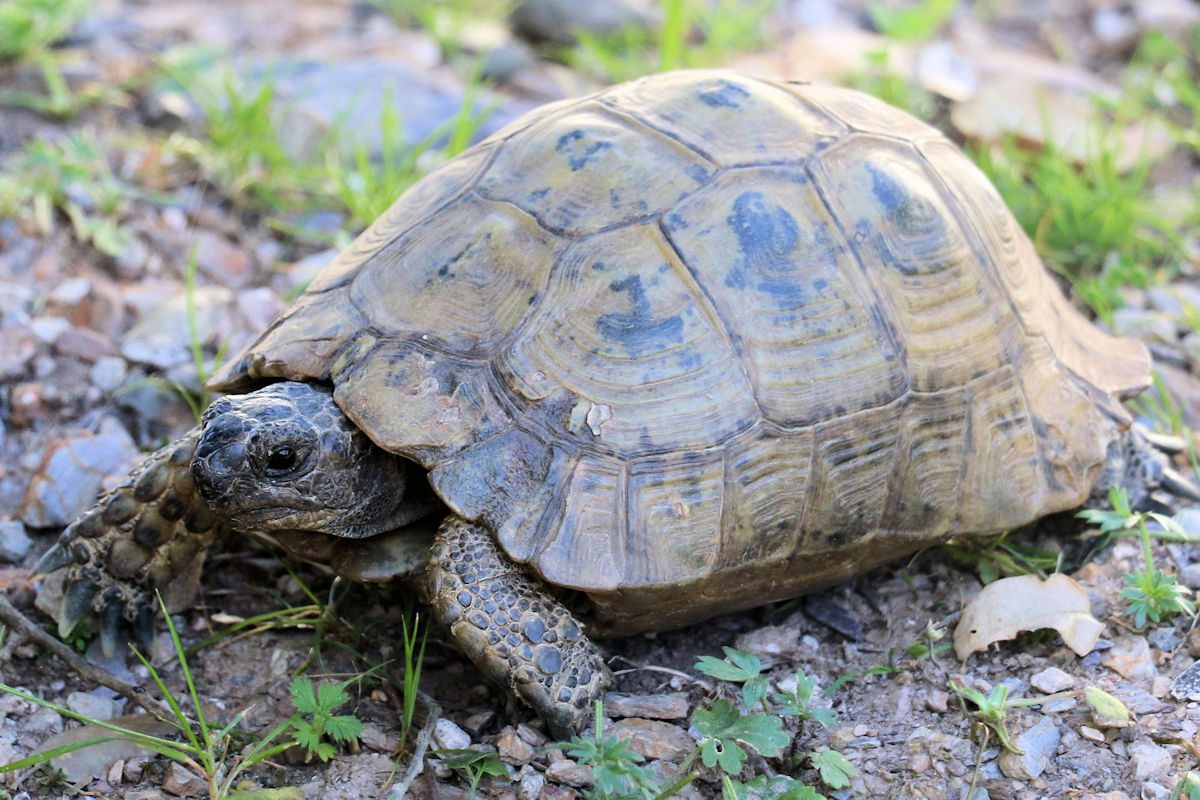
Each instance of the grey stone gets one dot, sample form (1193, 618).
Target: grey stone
(655, 739)
(568, 772)
(1164, 638)
(1052, 680)
(653, 706)
(449, 736)
(181, 782)
(71, 474)
(42, 721)
(317, 95)
(1039, 743)
(14, 541)
(108, 373)
(555, 21)
(1150, 761)
(99, 705)
(531, 784)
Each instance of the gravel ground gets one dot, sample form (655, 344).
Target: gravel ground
(92, 347)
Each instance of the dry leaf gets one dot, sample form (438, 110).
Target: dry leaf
(1026, 603)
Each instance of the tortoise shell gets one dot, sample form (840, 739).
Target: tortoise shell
(701, 341)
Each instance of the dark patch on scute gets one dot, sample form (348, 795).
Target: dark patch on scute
(890, 194)
(538, 194)
(697, 172)
(723, 94)
(580, 148)
(637, 328)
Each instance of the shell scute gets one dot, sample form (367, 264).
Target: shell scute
(591, 169)
(468, 278)
(786, 287)
(418, 402)
(423, 199)
(619, 313)
(732, 120)
(919, 262)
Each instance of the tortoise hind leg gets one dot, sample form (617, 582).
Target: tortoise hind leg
(518, 635)
(1139, 462)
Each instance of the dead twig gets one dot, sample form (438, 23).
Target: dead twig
(22, 626)
(433, 712)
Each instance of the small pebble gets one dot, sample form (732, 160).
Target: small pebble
(652, 706)
(937, 701)
(531, 784)
(93, 704)
(181, 782)
(1091, 734)
(568, 772)
(14, 541)
(1150, 761)
(1052, 680)
(108, 373)
(513, 749)
(449, 736)
(654, 739)
(1130, 656)
(1039, 743)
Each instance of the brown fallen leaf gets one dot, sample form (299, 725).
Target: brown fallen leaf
(1026, 603)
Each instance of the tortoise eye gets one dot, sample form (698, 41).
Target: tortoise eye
(281, 461)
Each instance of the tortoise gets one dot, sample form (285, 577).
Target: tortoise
(685, 346)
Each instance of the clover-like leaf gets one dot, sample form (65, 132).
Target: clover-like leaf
(723, 729)
(835, 770)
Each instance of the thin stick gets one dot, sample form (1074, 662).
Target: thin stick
(22, 626)
(416, 765)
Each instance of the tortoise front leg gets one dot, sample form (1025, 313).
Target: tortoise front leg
(515, 631)
(149, 533)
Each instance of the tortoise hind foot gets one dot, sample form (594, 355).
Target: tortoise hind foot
(1139, 462)
(149, 533)
(515, 631)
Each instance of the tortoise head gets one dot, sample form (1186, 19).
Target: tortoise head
(285, 458)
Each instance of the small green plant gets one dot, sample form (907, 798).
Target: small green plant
(1152, 594)
(27, 30)
(1188, 787)
(723, 731)
(798, 703)
(367, 186)
(617, 771)
(890, 668)
(316, 718)
(930, 645)
(242, 148)
(1094, 222)
(919, 22)
(475, 763)
(741, 667)
(414, 658)
(991, 711)
(72, 177)
(205, 750)
(693, 33)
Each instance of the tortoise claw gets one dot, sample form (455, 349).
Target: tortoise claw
(52, 560)
(76, 602)
(110, 622)
(1178, 485)
(1171, 445)
(143, 629)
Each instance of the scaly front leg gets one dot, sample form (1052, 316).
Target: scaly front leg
(149, 533)
(515, 631)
